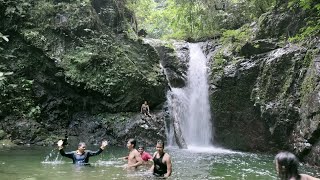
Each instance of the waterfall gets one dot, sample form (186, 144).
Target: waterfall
(190, 105)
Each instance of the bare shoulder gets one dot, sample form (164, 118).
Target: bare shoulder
(136, 152)
(167, 156)
(308, 177)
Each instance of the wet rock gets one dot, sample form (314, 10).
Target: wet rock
(274, 24)
(258, 47)
(116, 128)
(144, 129)
(261, 93)
(75, 66)
(306, 135)
(22, 131)
(6, 143)
(2, 134)
(173, 63)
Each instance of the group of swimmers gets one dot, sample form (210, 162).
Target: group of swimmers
(161, 166)
(286, 163)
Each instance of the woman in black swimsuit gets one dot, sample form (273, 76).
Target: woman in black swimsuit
(162, 166)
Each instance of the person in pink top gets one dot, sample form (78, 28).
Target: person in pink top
(144, 155)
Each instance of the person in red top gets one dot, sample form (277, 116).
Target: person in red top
(144, 155)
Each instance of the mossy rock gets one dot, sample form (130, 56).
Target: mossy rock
(6, 143)
(2, 134)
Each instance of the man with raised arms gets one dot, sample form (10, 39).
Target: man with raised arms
(81, 155)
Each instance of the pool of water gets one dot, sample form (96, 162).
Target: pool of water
(195, 163)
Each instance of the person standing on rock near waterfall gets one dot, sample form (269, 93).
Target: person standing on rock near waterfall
(287, 167)
(81, 155)
(162, 166)
(145, 109)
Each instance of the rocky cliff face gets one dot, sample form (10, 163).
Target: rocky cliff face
(265, 95)
(66, 57)
(72, 68)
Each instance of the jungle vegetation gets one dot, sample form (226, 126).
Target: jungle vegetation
(182, 19)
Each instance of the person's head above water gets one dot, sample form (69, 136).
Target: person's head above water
(81, 147)
(141, 149)
(160, 146)
(131, 143)
(287, 165)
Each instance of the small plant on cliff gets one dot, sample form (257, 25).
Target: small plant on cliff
(312, 28)
(237, 37)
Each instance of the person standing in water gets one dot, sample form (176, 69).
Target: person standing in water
(81, 155)
(144, 155)
(134, 157)
(162, 166)
(145, 109)
(287, 167)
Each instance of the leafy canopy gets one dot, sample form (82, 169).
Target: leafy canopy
(181, 19)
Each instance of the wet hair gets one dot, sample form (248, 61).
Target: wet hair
(288, 165)
(81, 144)
(133, 141)
(161, 143)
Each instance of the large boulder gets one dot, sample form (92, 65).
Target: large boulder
(268, 100)
(281, 22)
(116, 128)
(237, 121)
(174, 57)
(305, 138)
(276, 92)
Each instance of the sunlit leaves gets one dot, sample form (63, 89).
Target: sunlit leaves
(312, 28)
(195, 18)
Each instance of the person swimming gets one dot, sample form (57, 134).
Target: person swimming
(81, 155)
(287, 167)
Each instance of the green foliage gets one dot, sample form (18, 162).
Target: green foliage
(13, 14)
(16, 8)
(237, 38)
(16, 95)
(312, 28)
(182, 19)
(307, 62)
(307, 32)
(308, 85)
(83, 45)
(219, 61)
(309, 5)
(234, 36)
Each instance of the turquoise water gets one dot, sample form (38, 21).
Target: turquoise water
(205, 163)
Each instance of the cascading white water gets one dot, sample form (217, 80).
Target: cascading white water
(190, 105)
(198, 128)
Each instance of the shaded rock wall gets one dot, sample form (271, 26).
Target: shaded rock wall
(66, 57)
(265, 96)
(237, 121)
